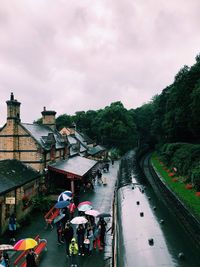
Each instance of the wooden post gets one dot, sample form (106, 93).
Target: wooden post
(72, 186)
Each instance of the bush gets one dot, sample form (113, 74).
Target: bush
(42, 203)
(196, 178)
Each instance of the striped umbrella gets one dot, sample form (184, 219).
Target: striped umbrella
(25, 244)
(66, 195)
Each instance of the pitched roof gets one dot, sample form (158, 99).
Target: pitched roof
(13, 174)
(44, 135)
(75, 165)
(95, 150)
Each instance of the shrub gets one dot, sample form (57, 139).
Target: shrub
(42, 203)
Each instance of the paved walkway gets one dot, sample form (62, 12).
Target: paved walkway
(101, 198)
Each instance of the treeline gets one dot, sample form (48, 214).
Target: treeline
(114, 126)
(171, 123)
(173, 116)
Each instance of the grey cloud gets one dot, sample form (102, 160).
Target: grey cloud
(79, 55)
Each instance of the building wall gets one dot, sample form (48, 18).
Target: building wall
(20, 208)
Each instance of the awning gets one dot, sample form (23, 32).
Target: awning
(74, 167)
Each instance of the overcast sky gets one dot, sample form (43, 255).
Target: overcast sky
(72, 55)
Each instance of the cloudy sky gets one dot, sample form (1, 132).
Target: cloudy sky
(72, 55)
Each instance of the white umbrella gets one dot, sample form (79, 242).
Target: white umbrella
(94, 213)
(79, 220)
(6, 247)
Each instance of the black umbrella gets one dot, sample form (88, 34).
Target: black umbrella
(104, 215)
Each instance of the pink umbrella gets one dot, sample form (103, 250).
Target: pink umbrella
(93, 213)
(84, 203)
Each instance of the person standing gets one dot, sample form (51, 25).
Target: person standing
(31, 258)
(59, 230)
(80, 232)
(73, 251)
(72, 208)
(12, 226)
(68, 234)
(90, 236)
(97, 242)
(103, 225)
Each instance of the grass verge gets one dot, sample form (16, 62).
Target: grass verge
(176, 184)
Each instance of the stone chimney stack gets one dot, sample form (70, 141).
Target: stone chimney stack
(13, 109)
(48, 118)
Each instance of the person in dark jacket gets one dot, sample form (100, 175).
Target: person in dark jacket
(31, 258)
(80, 232)
(103, 225)
(68, 234)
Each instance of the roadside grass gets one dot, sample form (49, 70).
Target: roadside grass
(187, 196)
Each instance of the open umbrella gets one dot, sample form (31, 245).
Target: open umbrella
(62, 204)
(58, 218)
(79, 220)
(25, 244)
(6, 247)
(104, 215)
(66, 195)
(84, 202)
(84, 207)
(93, 213)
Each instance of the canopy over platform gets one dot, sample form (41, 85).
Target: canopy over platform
(74, 168)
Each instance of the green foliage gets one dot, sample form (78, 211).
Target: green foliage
(187, 196)
(63, 121)
(196, 178)
(185, 157)
(42, 203)
(112, 126)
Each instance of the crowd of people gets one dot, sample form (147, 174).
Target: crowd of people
(82, 240)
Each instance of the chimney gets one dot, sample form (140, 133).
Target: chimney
(48, 118)
(13, 109)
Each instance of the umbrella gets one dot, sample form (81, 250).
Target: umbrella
(84, 202)
(79, 220)
(58, 218)
(94, 213)
(62, 204)
(25, 244)
(104, 214)
(84, 207)
(6, 247)
(66, 195)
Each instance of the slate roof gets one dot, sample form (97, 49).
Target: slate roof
(43, 135)
(13, 174)
(95, 150)
(76, 165)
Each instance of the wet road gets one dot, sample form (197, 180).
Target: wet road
(55, 255)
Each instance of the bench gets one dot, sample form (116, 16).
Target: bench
(51, 215)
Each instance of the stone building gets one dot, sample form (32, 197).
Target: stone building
(33, 144)
(19, 183)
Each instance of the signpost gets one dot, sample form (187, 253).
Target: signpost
(10, 200)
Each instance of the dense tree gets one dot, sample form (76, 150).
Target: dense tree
(63, 121)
